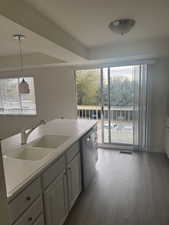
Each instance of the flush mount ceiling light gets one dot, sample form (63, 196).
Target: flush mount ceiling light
(122, 26)
(23, 86)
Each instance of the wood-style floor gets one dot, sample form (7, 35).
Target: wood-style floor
(127, 190)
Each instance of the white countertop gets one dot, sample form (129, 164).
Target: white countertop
(20, 172)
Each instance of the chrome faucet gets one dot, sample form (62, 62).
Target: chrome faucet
(25, 134)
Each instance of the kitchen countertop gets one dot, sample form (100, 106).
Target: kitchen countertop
(18, 173)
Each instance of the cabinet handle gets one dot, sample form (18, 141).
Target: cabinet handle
(30, 219)
(28, 198)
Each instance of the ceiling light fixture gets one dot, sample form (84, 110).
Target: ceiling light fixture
(23, 85)
(122, 26)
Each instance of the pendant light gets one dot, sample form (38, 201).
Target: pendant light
(23, 85)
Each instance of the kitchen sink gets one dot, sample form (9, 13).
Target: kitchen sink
(33, 154)
(50, 141)
(40, 148)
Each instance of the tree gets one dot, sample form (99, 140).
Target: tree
(88, 82)
(89, 91)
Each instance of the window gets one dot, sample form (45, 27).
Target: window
(12, 102)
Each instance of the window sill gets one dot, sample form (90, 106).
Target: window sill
(18, 114)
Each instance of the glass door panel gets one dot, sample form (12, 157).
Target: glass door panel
(88, 96)
(108, 95)
(121, 104)
(105, 105)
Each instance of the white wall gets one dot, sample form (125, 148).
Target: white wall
(128, 50)
(159, 73)
(55, 98)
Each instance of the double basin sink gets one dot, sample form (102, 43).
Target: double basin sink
(40, 148)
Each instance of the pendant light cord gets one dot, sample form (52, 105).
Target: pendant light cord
(21, 56)
(23, 85)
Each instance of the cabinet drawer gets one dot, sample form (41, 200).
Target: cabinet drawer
(53, 171)
(40, 221)
(24, 200)
(31, 214)
(72, 151)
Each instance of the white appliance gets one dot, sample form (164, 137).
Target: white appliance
(89, 157)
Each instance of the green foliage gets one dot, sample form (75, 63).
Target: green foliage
(89, 91)
(88, 86)
(121, 91)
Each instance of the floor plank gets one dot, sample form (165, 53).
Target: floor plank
(127, 190)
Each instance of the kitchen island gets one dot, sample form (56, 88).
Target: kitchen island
(56, 177)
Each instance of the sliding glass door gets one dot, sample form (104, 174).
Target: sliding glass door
(116, 98)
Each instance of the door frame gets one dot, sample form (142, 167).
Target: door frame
(131, 147)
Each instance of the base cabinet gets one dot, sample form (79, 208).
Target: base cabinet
(55, 199)
(52, 195)
(61, 194)
(74, 179)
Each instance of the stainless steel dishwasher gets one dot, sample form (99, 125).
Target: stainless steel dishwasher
(89, 156)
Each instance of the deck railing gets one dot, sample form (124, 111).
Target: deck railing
(124, 113)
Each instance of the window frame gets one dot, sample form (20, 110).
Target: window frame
(21, 113)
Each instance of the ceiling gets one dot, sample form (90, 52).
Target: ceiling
(9, 46)
(62, 32)
(87, 20)
(35, 46)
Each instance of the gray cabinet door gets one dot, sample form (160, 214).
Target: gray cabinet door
(55, 197)
(74, 179)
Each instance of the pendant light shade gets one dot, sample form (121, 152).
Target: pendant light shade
(23, 85)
